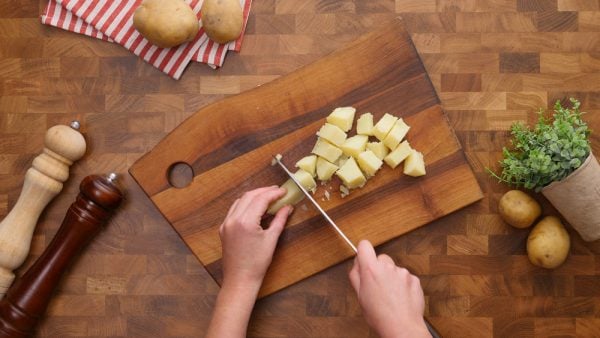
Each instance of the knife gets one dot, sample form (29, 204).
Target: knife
(430, 328)
(331, 222)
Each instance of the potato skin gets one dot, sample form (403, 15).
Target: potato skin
(222, 20)
(548, 243)
(519, 209)
(166, 23)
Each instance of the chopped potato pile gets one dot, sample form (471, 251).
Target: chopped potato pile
(353, 159)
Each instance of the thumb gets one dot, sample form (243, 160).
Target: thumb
(278, 223)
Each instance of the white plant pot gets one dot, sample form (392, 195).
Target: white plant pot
(577, 198)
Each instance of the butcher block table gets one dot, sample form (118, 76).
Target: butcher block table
(490, 62)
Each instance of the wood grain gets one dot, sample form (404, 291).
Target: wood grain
(234, 141)
(138, 278)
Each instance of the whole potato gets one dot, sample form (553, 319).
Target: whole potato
(548, 243)
(222, 20)
(166, 23)
(519, 209)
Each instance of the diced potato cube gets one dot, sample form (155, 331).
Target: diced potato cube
(364, 124)
(398, 155)
(414, 164)
(379, 149)
(326, 150)
(340, 162)
(293, 194)
(383, 126)
(351, 175)
(342, 117)
(325, 169)
(332, 133)
(355, 145)
(369, 162)
(306, 179)
(395, 136)
(308, 164)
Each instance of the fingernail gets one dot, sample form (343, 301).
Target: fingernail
(290, 210)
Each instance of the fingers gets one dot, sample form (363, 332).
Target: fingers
(385, 259)
(247, 198)
(278, 223)
(229, 213)
(366, 255)
(232, 208)
(354, 276)
(253, 204)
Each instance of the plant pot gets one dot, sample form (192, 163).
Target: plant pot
(577, 198)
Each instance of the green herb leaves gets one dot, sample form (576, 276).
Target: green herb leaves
(550, 152)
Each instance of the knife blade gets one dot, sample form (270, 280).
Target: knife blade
(312, 200)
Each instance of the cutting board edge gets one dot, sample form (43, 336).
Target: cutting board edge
(398, 21)
(471, 202)
(169, 222)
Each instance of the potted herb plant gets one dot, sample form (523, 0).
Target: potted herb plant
(555, 158)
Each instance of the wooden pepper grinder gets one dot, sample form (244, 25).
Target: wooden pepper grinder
(43, 181)
(27, 299)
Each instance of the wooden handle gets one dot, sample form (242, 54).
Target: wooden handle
(27, 299)
(43, 181)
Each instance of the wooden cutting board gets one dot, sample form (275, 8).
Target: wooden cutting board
(229, 145)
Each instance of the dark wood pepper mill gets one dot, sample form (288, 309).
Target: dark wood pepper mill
(27, 299)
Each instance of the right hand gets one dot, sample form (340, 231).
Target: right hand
(391, 297)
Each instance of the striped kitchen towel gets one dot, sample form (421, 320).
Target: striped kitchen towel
(112, 21)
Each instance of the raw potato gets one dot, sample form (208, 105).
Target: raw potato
(398, 155)
(379, 149)
(306, 179)
(548, 243)
(342, 117)
(355, 145)
(332, 133)
(325, 169)
(519, 209)
(414, 165)
(351, 175)
(326, 150)
(369, 162)
(395, 136)
(308, 164)
(383, 126)
(293, 194)
(222, 20)
(166, 23)
(355, 159)
(364, 124)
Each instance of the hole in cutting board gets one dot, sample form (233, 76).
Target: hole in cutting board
(180, 175)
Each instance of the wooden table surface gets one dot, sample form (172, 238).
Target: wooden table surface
(492, 62)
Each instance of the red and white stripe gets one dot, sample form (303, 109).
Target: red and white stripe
(57, 16)
(112, 21)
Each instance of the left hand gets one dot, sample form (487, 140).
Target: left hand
(247, 247)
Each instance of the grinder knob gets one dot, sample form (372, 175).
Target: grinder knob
(62, 146)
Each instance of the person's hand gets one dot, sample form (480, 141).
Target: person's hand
(247, 247)
(390, 297)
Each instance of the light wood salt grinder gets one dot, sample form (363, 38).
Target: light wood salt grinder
(27, 300)
(43, 181)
